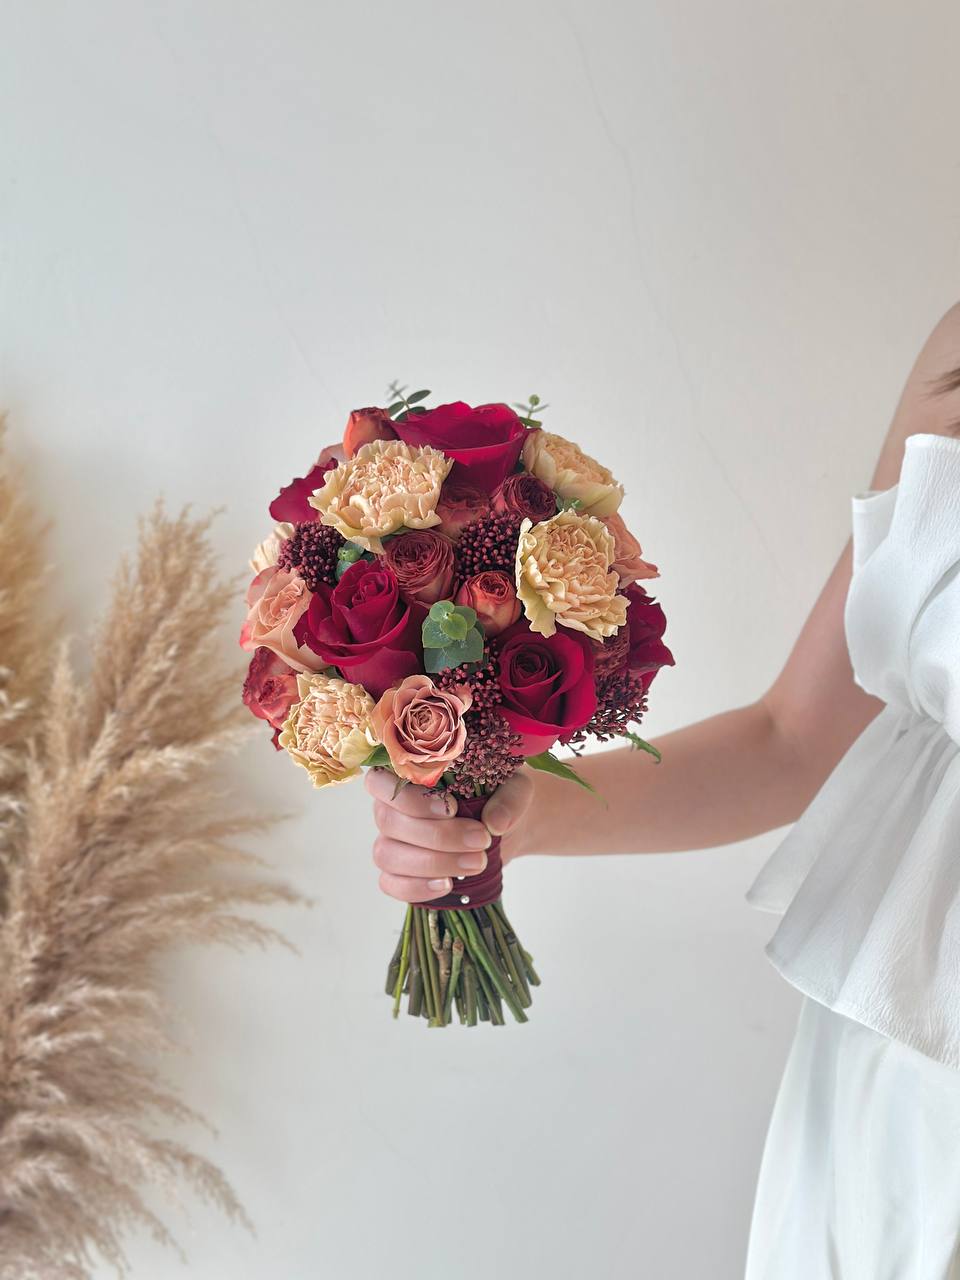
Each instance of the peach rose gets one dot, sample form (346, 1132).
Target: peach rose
(571, 473)
(277, 600)
(565, 576)
(386, 486)
(365, 425)
(329, 732)
(268, 551)
(627, 559)
(422, 727)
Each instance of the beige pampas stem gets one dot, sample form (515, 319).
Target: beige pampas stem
(125, 848)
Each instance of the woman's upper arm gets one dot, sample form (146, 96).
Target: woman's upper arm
(814, 701)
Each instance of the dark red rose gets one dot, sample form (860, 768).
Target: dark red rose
(460, 505)
(547, 685)
(365, 425)
(291, 502)
(524, 496)
(423, 563)
(484, 442)
(646, 624)
(363, 627)
(270, 689)
(494, 597)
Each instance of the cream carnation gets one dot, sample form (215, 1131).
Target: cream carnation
(329, 731)
(268, 551)
(565, 576)
(386, 486)
(571, 473)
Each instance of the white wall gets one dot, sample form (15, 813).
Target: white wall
(713, 237)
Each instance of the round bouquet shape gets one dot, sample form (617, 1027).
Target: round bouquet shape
(451, 594)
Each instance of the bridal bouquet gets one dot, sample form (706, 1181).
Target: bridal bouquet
(449, 594)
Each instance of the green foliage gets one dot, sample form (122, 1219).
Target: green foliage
(451, 636)
(379, 758)
(402, 404)
(569, 504)
(547, 762)
(349, 554)
(641, 744)
(528, 410)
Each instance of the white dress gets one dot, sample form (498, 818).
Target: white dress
(861, 1173)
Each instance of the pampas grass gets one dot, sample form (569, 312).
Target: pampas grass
(125, 847)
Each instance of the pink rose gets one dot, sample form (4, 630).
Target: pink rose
(524, 496)
(494, 598)
(291, 503)
(460, 505)
(270, 689)
(627, 560)
(422, 727)
(423, 563)
(365, 425)
(277, 600)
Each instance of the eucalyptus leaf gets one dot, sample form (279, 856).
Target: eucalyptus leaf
(441, 608)
(455, 627)
(395, 408)
(455, 654)
(417, 397)
(546, 762)
(433, 634)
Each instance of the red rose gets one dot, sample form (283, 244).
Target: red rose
(646, 624)
(460, 505)
(365, 425)
(547, 685)
(423, 563)
(494, 598)
(484, 442)
(270, 689)
(363, 628)
(524, 496)
(291, 502)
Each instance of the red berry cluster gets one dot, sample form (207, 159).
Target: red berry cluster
(311, 551)
(621, 702)
(489, 543)
(487, 759)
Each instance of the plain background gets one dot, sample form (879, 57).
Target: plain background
(713, 237)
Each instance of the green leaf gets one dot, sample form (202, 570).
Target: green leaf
(417, 397)
(569, 504)
(454, 653)
(455, 627)
(441, 609)
(433, 634)
(641, 744)
(546, 762)
(464, 611)
(395, 408)
(379, 757)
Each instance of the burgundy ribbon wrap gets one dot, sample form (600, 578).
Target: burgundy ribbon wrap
(473, 891)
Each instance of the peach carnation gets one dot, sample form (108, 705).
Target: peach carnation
(571, 473)
(386, 486)
(565, 576)
(268, 551)
(328, 731)
(422, 727)
(628, 560)
(277, 599)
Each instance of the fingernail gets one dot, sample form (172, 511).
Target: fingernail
(495, 820)
(477, 839)
(472, 861)
(445, 885)
(440, 805)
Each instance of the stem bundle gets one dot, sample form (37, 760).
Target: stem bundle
(469, 960)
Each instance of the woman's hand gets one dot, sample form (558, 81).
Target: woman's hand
(422, 845)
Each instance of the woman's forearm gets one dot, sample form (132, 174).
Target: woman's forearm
(723, 779)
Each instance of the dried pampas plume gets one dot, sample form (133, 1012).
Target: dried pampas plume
(125, 847)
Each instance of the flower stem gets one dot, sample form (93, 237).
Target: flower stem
(404, 959)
